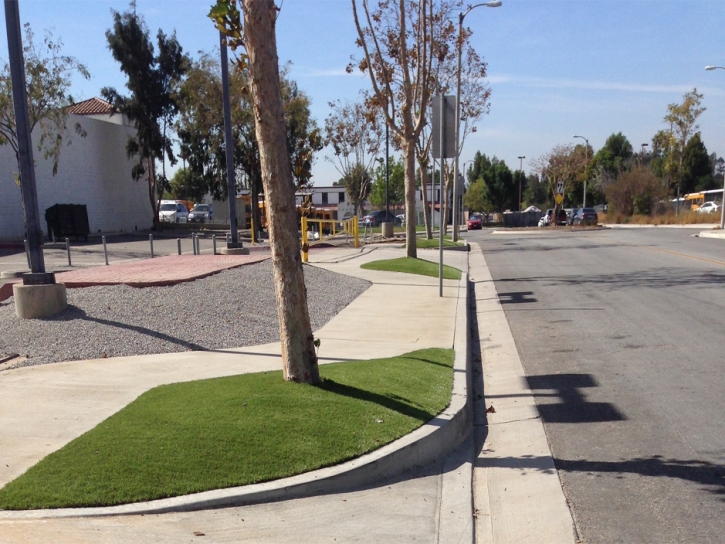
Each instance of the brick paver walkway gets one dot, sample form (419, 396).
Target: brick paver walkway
(155, 272)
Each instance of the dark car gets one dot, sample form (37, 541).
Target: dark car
(201, 213)
(586, 216)
(375, 218)
(570, 215)
(475, 222)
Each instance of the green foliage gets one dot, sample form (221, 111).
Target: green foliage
(185, 185)
(697, 174)
(48, 76)
(637, 191)
(201, 128)
(357, 182)
(152, 79)
(501, 192)
(210, 434)
(409, 265)
(475, 197)
(536, 194)
(396, 184)
(475, 171)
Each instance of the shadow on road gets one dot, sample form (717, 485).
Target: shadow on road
(653, 279)
(574, 407)
(516, 297)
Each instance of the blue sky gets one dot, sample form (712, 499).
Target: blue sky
(556, 67)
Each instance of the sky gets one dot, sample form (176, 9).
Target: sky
(556, 68)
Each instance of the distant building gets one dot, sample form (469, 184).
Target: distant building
(333, 199)
(93, 171)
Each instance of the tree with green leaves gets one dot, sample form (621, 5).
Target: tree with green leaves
(200, 127)
(355, 134)
(396, 184)
(697, 172)
(475, 197)
(49, 76)
(558, 165)
(185, 185)
(682, 119)
(501, 191)
(250, 24)
(153, 79)
(536, 193)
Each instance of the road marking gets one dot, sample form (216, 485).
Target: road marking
(684, 255)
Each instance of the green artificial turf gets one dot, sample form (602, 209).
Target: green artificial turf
(409, 265)
(435, 243)
(195, 436)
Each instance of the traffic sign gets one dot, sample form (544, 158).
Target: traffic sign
(559, 198)
(560, 187)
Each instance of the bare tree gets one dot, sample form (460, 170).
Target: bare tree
(397, 56)
(558, 165)
(475, 94)
(257, 35)
(355, 134)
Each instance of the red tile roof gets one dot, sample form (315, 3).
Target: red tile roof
(92, 106)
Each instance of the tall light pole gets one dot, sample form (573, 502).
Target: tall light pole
(461, 16)
(586, 150)
(722, 207)
(642, 154)
(521, 169)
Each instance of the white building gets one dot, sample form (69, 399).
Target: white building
(333, 198)
(93, 171)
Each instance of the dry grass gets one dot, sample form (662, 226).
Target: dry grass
(669, 218)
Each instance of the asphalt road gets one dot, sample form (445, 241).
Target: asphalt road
(622, 336)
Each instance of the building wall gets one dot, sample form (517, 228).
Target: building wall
(93, 171)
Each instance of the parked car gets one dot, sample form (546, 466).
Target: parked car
(547, 219)
(570, 215)
(586, 216)
(201, 213)
(400, 219)
(709, 207)
(475, 222)
(377, 217)
(171, 211)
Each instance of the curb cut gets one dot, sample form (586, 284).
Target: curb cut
(428, 443)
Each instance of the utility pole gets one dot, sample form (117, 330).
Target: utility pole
(521, 169)
(228, 145)
(586, 165)
(28, 189)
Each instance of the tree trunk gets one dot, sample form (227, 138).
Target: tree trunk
(299, 359)
(445, 191)
(411, 219)
(426, 212)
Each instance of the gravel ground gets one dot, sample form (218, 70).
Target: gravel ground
(234, 308)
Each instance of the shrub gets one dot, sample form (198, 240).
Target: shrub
(636, 192)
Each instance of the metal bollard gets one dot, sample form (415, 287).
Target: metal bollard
(198, 245)
(151, 242)
(105, 251)
(229, 237)
(67, 250)
(27, 252)
(213, 242)
(178, 245)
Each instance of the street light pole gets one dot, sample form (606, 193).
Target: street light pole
(461, 17)
(642, 155)
(586, 150)
(722, 207)
(521, 169)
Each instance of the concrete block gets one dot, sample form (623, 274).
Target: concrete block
(34, 301)
(235, 251)
(387, 229)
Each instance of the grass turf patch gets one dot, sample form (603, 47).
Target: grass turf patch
(409, 265)
(435, 243)
(209, 434)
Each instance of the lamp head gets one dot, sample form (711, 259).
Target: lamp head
(708, 67)
(493, 4)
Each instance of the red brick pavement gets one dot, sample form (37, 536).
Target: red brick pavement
(150, 272)
(155, 272)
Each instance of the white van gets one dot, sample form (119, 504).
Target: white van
(171, 211)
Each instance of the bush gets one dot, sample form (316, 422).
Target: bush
(636, 192)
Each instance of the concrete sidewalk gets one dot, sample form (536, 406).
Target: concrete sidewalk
(44, 407)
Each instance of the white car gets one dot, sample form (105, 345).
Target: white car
(709, 207)
(171, 211)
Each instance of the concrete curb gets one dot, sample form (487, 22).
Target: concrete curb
(711, 234)
(430, 442)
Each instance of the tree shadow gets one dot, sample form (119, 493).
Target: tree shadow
(388, 402)
(73, 312)
(517, 297)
